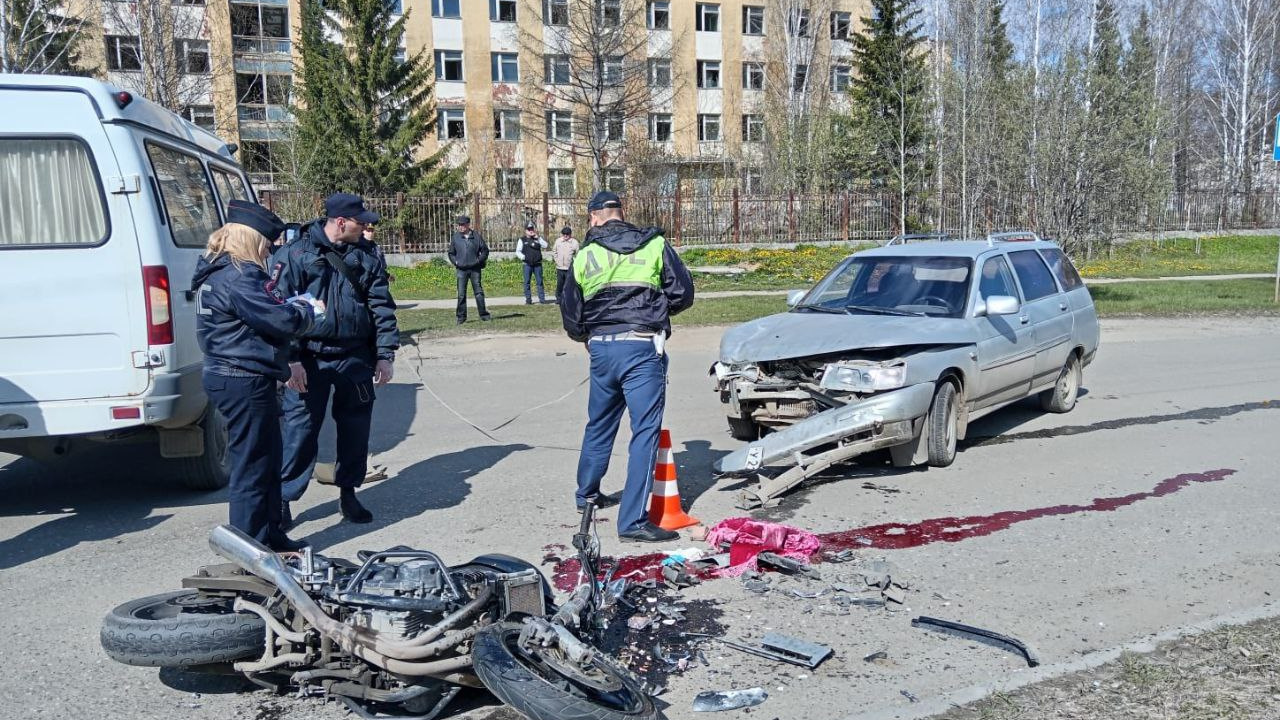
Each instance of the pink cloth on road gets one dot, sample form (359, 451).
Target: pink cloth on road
(748, 538)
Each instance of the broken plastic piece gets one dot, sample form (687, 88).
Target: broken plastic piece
(989, 637)
(784, 648)
(677, 576)
(787, 564)
(639, 622)
(838, 557)
(717, 700)
(876, 656)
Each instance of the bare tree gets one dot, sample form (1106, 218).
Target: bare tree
(38, 36)
(597, 74)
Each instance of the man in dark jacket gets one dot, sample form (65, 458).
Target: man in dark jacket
(626, 284)
(346, 354)
(469, 253)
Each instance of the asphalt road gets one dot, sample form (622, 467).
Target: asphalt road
(1166, 398)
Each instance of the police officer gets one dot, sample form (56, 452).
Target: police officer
(625, 284)
(243, 325)
(344, 355)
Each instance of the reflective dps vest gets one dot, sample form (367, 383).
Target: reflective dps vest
(596, 267)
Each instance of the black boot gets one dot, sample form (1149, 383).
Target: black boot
(351, 508)
(283, 543)
(286, 517)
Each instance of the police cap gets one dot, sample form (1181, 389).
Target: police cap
(243, 212)
(346, 205)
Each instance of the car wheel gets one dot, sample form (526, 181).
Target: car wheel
(943, 420)
(209, 470)
(1062, 396)
(744, 429)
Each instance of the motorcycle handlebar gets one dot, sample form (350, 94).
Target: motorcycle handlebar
(588, 515)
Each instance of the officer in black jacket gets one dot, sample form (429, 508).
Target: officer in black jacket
(243, 325)
(345, 354)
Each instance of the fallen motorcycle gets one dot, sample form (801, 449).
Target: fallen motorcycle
(398, 633)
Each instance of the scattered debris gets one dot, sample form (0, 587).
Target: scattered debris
(805, 595)
(876, 657)
(988, 637)
(788, 565)
(677, 575)
(784, 648)
(717, 700)
(894, 594)
(846, 601)
(711, 562)
(755, 582)
(881, 488)
(910, 698)
(838, 557)
(639, 622)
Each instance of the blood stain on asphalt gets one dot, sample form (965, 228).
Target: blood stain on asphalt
(897, 536)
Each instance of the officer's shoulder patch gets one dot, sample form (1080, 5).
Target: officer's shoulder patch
(276, 270)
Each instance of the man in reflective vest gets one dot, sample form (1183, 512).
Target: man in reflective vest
(625, 284)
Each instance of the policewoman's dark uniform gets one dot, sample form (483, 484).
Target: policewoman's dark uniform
(339, 352)
(242, 325)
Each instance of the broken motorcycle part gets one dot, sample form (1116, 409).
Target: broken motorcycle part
(786, 649)
(988, 637)
(788, 565)
(718, 700)
(677, 576)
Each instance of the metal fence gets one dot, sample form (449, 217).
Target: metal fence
(423, 224)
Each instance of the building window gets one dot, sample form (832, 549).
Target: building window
(615, 180)
(446, 8)
(557, 69)
(840, 24)
(840, 75)
(609, 128)
(122, 53)
(753, 128)
(201, 115)
(449, 65)
(451, 124)
(400, 56)
(752, 20)
(610, 13)
(188, 2)
(502, 10)
(194, 56)
(504, 67)
(708, 128)
(707, 18)
(660, 127)
(708, 74)
(611, 71)
(753, 181)
(256, 156)
(555, 12)
(253, 20)
(659, 73)
(561, 182)
(262, 89)
(506, 124)
(660, 16)
(395, 7)
(752, 76)
(560, 126)
(510, 182)
(801, 78)
(798, 23)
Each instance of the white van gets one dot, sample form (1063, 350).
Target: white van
(106, 201)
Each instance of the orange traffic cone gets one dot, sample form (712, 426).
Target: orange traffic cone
(664, 505)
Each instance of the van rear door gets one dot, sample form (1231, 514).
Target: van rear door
(71, 281)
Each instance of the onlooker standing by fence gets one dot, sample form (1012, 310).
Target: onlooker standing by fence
(566, 247)
(530, 248)
(468, 253)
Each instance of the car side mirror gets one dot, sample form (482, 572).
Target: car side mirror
(1000, 305)
(795, 296)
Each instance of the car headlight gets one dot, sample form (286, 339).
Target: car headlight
(727, 370)
(862, 377)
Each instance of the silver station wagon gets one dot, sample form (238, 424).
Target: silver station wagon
(900, 347)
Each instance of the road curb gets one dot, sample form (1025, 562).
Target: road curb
(937, 704)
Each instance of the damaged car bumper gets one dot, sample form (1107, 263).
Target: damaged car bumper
(879, 421)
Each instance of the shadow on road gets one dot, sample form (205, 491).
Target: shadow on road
(443, 481)
(694, 465)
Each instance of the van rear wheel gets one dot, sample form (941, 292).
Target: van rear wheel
(208, 471)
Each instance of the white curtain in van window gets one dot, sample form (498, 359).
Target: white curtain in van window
(49, 194)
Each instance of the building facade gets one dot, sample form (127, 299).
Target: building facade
(721, 74)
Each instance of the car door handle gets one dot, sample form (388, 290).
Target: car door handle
(1024, 319)
(1062, 306)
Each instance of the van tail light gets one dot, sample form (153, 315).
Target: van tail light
(159, 315)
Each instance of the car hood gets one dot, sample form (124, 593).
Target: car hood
(803, 334)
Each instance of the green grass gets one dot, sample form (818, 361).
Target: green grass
(802, 266)
(1157, 299)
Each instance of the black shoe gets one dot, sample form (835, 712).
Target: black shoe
(351, 508)
(528, 302)
(606, 501)
(648, 533)
(286, 517)
(461, 320)
(544, 302)
(282, 543)
(486, 318)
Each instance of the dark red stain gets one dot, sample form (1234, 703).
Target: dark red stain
(898, 536)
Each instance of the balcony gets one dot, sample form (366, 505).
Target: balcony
(263, 114)
(242, 45)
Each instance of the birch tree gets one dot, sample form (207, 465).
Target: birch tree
(39, 36)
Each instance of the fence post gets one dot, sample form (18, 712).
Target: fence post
(268, 201)
(675, 220)
(845, 211)
(475, 210)
(791, 216)
(400, 220)
(737, 231)
(546, 216)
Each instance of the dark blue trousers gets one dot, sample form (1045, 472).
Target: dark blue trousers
(630, 375)
(251, 409)
(533, 271)
(349, 380)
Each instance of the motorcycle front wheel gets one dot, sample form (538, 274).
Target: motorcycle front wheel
(546, 688)
(181, 629)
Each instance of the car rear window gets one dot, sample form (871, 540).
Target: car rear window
(49, 193)
(1062, 268)
(1037, 282)
(188, 197)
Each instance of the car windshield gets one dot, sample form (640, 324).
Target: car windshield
(885, 285)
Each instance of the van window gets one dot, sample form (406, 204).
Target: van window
(50, 193)
(188, 198)
(230, 186)
(1037, 281)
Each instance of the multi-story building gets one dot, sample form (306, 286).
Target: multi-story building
(721, 72)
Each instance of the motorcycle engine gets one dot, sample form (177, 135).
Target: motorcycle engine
(400, 599)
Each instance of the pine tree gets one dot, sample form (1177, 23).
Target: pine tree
(363, 112)
(38, 37)
(885, 132)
